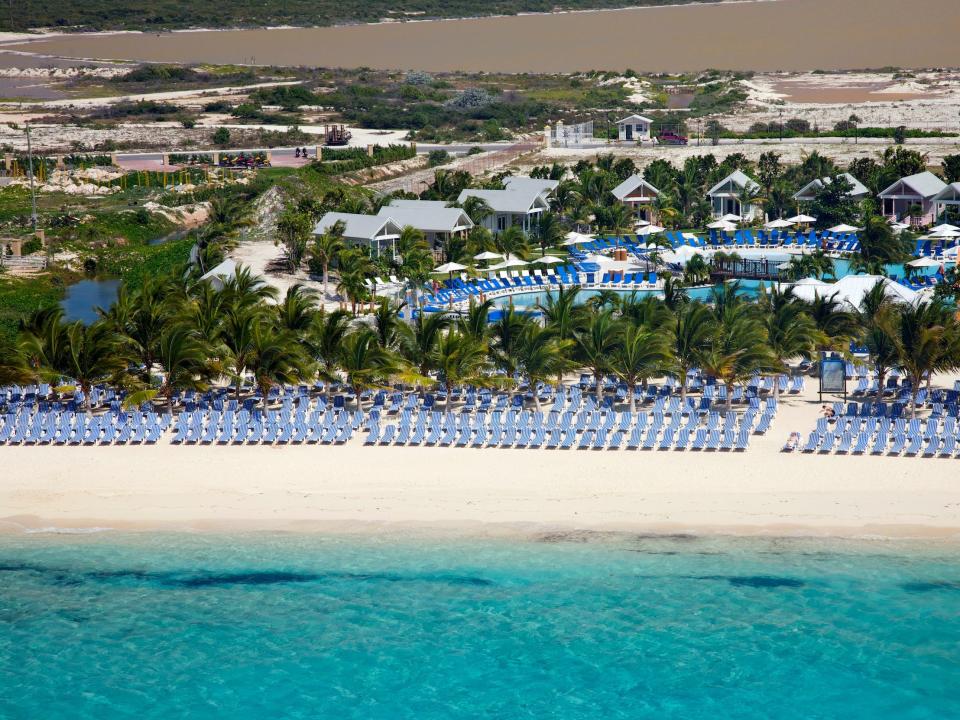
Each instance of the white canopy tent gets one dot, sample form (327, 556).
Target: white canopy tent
(778, 223)
(923, 262)
(851, 289)
(842, 228)
(801, 218)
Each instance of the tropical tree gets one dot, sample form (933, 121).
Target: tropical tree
(737, 349)
(274, 358)
(92, 354)
(364, 363)
(324, 340)
(293, 232)
(639, 355)
(549, 232)
(691, 331)
(460, 360)
(326, 248)
(790, 332)
(419, 339)
(185, 362)
(387, 323)
(595, 341)
(295, 312)
(919, 339)
(541, 356)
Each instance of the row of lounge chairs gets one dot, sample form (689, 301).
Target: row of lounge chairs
(584, 430)
(856, 435)
(65, 427)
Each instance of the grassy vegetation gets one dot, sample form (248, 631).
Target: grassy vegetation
(118, 14)
(21, 296)
(136, 264)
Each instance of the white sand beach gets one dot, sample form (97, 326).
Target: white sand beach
(352, 488)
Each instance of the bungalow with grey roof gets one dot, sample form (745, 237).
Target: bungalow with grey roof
(635, 128)
(809, 191)
(378, 234)
(914, 193)
(638, 196)
(725, 196)
(437, 220)
(521, 206)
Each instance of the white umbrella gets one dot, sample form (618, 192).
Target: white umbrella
(951, 250)
(935, 233)
(650, 230)
(449, 268)
(487, 255)
(843, 228)
(510, 262)
(784, 266)
(575, 238)
(778, 223)
(944, 227)
(802, 219)
(923, 262)
(548, 260)
(641, 223)
(730, 217)
(719, 225)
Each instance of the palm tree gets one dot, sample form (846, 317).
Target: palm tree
(638, 356)
(505, 335)
(185, 362)
(476, 321)
(243, 289)
(417, 262)
(541, 356)
(365, 364)
(696, 271)
(737, 349)
(92, 354)
(790, 333)
(295, 313)
(326, 247)
(595, 342)
(324, 340)
(549, 232)
(919, 340)
(512, 241)
(477, 209)
(691, 329)
(419, 339)
(142, 318)
(880, 341)
(836, 325)
(239, 327)
(460, 359)
(274, 358)
(386, 323)
(674, 294)
(355, 266)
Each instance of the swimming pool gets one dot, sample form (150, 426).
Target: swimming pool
(750, 288)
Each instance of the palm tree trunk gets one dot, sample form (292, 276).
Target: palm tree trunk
(914, 388)
(683, 385)
(729, 395)
(599, 388)
(633, 397)
(881, 377)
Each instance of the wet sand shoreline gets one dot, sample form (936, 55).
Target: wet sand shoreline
(782, 35)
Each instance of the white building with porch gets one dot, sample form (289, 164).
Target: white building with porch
(914, 191)
(521, 206)
(638, 196)
(635, 128)
(809, 191)
(947, 199)
(434, 218)
(544, 186)
(377, 234)
(725, 196)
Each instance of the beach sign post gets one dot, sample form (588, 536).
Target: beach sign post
(833, 376)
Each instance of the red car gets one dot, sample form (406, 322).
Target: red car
(669, 138)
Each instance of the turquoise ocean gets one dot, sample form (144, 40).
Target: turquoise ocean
(566, 626)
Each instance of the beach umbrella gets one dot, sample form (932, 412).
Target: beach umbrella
(923, 262)
(641, 223)
(511, 261)
(575, 238)
(784, 266)
(945, 233)
(943, 228)
(778, 223)
(842, 228)
(450, 267)
(650, 230)
(802, 219)
(730, 217)
(487, 255)
(548, 260)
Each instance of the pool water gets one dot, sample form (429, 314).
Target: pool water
(83, 298)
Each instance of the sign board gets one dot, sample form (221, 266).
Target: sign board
(833, 376)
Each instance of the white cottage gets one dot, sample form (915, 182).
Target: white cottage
(521, 206)
(948, 198)
(808, 192)
(634, 128)
(638, 196)
(434, 218)
(725, 196)
(377, 234)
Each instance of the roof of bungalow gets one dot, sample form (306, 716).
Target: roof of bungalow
(359, 227)
(737, 177)
(630, 185)
(521, 182)
(427, 215)
(634, 118)
(924, 184)
(517, 200)
(949, 192)
(858, 189)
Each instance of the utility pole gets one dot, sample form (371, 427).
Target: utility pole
(33, 191)
(781, 126)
